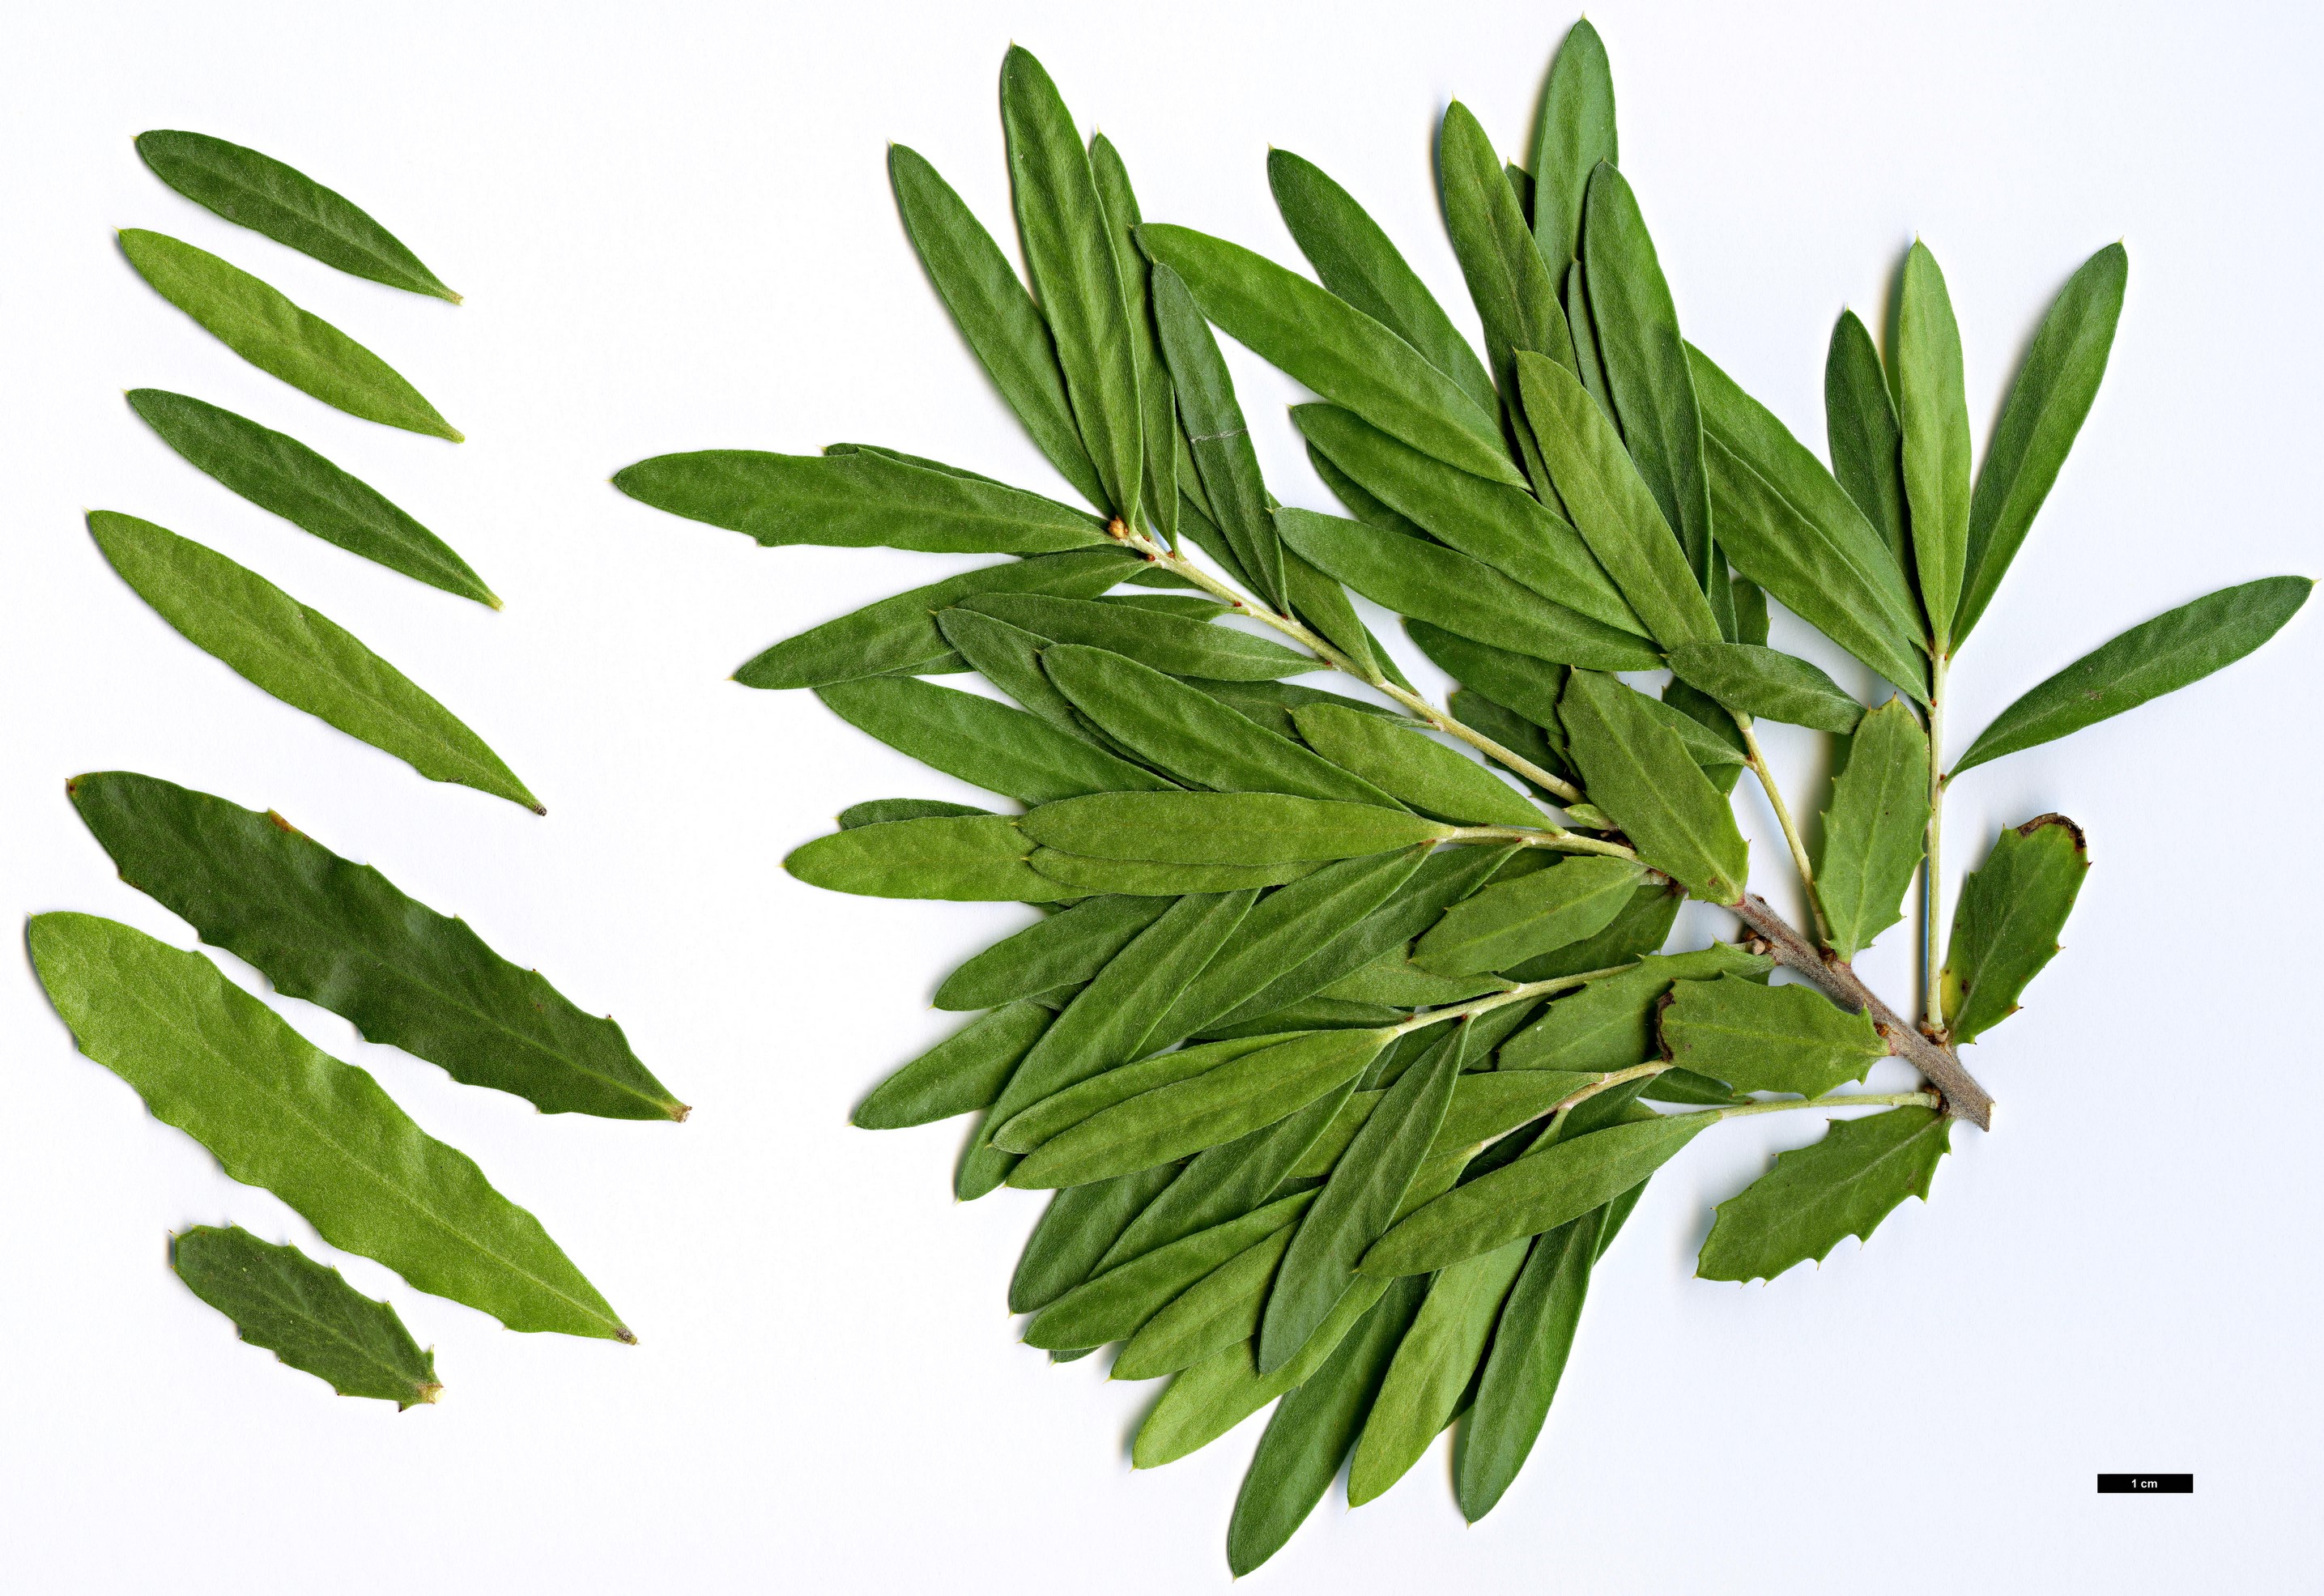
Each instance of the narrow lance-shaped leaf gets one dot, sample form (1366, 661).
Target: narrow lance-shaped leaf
(1216, 434)
(1355, 260)
(1074, 1232)
(1224, 828)
(959, 1075)
(1515, 296)
(1231, 1178)
(263, 194)
(2151, 659)
(1179, 644)
(1576, 133)
(339, 933)
(986, 744)
(1842, 1185)
(2054, 390)
(1158, 432)
(969, 858)
(880, 811)
(1531, 1343)
(1755, 680)
(855, 499)
(1608, 1024)
(266, 329)
(1070, 252)
(1061, 1110)
(1640, 772)
(1209, 1316)
(280, 1113)
(1061, 950)
(1932, 409)
(1862, 429)
(1009, 658)
(2006, 926)
(306, 1314)
(1434, 1366)
(277, 472)
(277, 644)
(1513, 921)
(1872, 833)
(1768, 1038)
(1334, 349)
(1424, 775)
(1081, 874)
(1111, 1306)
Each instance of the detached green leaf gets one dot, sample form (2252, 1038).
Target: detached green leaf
(993, 312)
(261, 193)
(277, 472)
(1576, 133)
(2007, 923)
(986, 744)
(1612, 505)
(975, 858)
(1216, 434)
(340, 935)
(1768, 1038)
(1178, 644)
(1873, 832)
(1638, 770)
(1224, 827)
(1070, 251)
(1434, 1366)
(1531, 1341)
(1867, 443)
(2053, 393)
(2151, 659)
(1509, 283)
(897, 636)
(857, 499)
(1767, 683)
(1355, 260)
(1426, 776)
(280, 1113)
(1538, 1193)
(278, 645)
(1334, 349)
(1842, 1185)
(1932, 408)
(1504, 925)
(1448, 589)
(306, 1314)
(959, 1075)
(278, 338)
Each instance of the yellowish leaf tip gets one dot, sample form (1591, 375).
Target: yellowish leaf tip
(429, 1393)
(621, 1333)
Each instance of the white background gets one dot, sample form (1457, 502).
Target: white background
(673, 227)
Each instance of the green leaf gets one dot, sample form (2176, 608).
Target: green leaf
(280, 1113)
(1009, 656)
(993, 312)
(1872, 833)
(1511, 681)
(1080, 875)
(1075, 1229)
(1178, 644)
(1768, 1038)
(340, 935)
(1434, 1366)
(1224, 827)
(1576, 133)
(1867, 443)
(1422, 774)
(280, 474)
(1638, 770)
(1517, 920)
(1106, 1022)
(1191, 735)
(1699, 719)
(1224, 1181)
(1640, 930)
(1932, 409)
(2006, 925)
(1063, 950)
(898, 635)
(1538, 1193)
(1508, 280)
(1608, 1024)
(1504, 527)
(1221, 1309)
(1450, 590)
(984, 744)
(1395, 982)
(880, 811)
(855, 499)
(1270, 704)
(261, 193)
(1159, 430)
(1358, 1203)
(1061, 1110)
(1071, 252)
(1611, 506)
(1647, 372)
(1335, 349)
(1325, 605)
(306, 1314)
(275, 336)
(1299, 1455)
(975, 858)
(1842, 1185)
(1212, 1108)
(1793, 530)
(277, 644)
(959, 1075)
(1113, 1306)
(1755, 680)
(2151, 659)
(2054, 390)
(1355, 260)
(1531, 1341)
(1216, 434)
